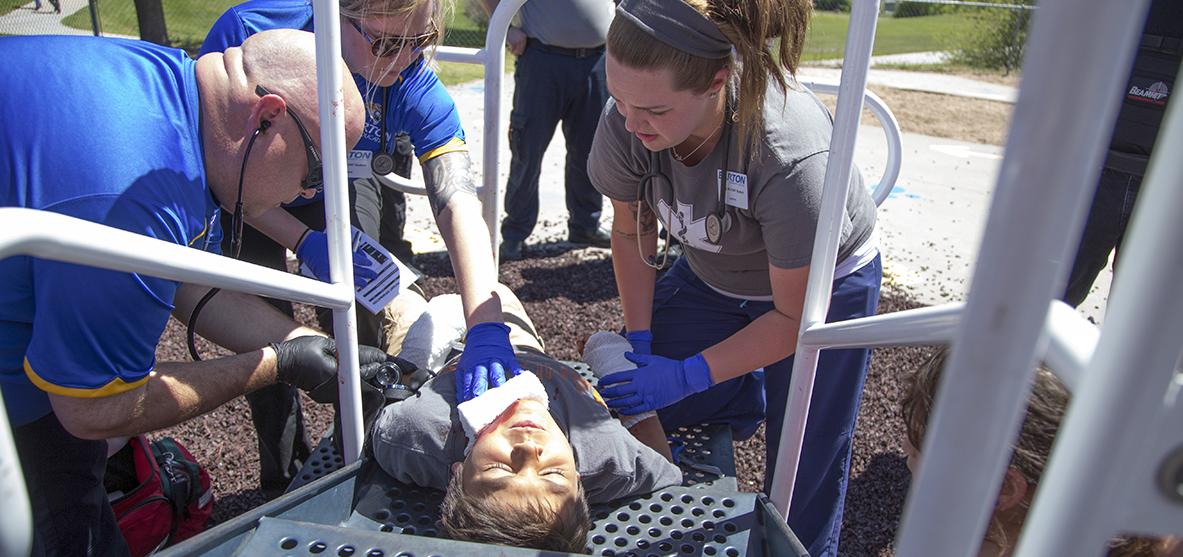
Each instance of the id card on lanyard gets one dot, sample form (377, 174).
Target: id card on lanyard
(736, 192)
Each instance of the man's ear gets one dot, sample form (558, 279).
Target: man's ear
(266, 108)
(456, 467)
(1014, 490)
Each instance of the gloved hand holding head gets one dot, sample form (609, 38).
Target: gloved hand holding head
(487, 361)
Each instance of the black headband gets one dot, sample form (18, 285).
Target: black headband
(677, 24)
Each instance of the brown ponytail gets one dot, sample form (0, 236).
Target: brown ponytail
(750, 25)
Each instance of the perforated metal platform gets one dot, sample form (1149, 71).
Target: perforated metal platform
(359, 510)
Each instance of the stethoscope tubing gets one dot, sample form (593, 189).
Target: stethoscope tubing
(654, 171)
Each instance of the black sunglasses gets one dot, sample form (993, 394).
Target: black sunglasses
(389, 45)
(315, 179)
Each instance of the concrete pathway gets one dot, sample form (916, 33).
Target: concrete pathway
(24, 21)
(909, 58)
(920, 81)
(930, 227)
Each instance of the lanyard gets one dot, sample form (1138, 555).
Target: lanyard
(382, 163)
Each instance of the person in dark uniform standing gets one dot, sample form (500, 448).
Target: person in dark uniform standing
(559, 77)
(1147, 91)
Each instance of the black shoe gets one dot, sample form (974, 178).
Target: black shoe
(511, 249)
(594, 237)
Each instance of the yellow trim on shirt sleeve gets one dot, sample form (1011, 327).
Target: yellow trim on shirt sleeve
(453, 145)
(198, 237)
(114, 387)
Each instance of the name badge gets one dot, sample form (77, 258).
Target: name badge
(736, 194)
(359, 164)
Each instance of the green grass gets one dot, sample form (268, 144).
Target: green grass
(187, 22)
(826, 38)
(451, 73)
(9, 5)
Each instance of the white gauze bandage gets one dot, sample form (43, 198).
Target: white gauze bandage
(604, 354)
(479, 412)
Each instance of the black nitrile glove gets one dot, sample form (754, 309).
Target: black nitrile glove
(309, 363)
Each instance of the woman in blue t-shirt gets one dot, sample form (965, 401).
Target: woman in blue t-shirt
(384, 43)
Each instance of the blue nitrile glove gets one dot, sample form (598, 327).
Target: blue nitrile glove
(656, 383)
(313, 251)
(676, 448)
(642, 341)
(487, 358)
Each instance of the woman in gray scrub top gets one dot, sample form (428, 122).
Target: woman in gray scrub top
(731, 159)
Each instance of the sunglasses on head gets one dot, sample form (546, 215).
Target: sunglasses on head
(389, 45)
(315, 178)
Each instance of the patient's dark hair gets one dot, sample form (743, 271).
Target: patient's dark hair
(534, 525)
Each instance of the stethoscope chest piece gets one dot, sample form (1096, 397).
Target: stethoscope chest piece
(716, 226)
(382, 163)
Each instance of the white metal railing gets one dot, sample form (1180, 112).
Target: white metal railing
(1007, 322)
(1053, 152)
(1071, 338)
(54, 236)
(333, 146)
(859, 40)
(891, 129)
(1112, 469)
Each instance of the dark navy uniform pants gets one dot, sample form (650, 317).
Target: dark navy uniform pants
(552, 87)
(689, 316)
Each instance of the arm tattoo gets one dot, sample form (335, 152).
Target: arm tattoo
(445, 176)
(648, 218)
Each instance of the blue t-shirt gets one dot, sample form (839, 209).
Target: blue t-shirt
(105, 130)
(419, 105)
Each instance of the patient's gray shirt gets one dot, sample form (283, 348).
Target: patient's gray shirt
(774, 200)
(417, 440)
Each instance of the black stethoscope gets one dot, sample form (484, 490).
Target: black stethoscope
(718, 222)
(235, 241)
(382, 163)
